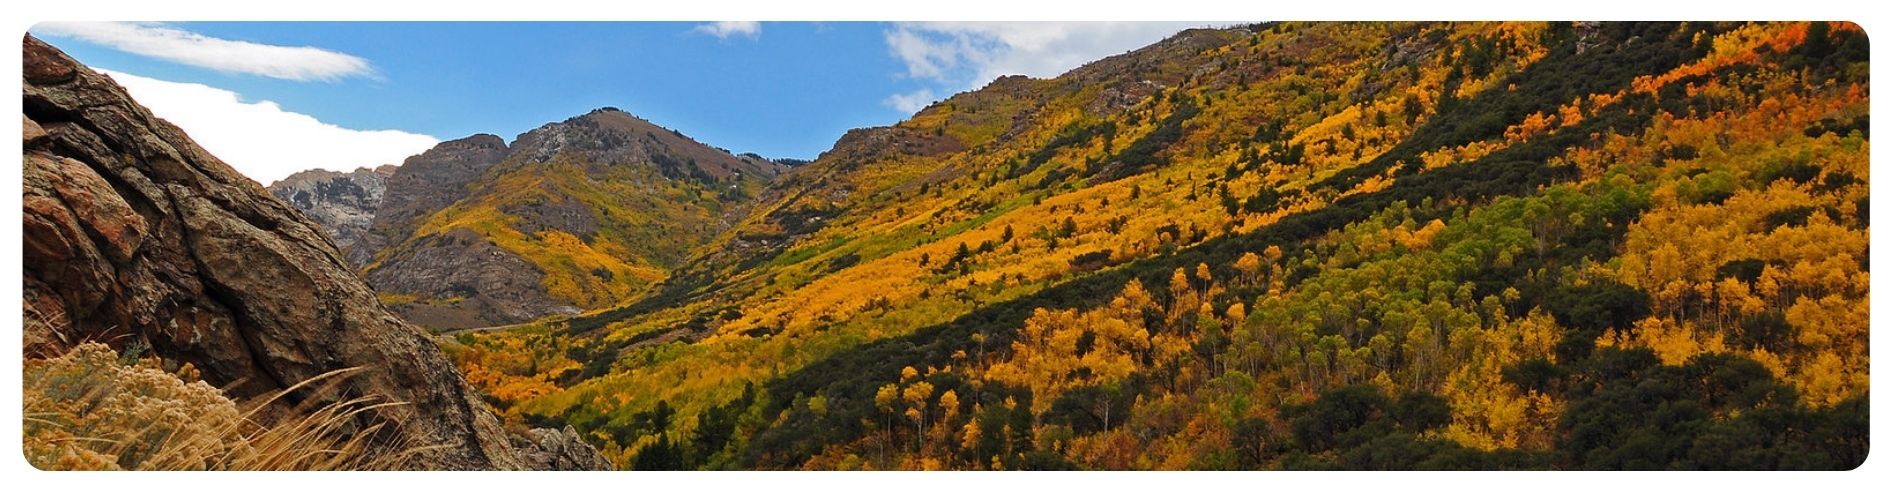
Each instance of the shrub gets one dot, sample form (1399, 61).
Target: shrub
(89, 410)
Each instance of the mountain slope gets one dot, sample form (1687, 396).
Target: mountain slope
(424, 184)
(573, 215)
(136, 237)
(343, 204)
(1298, 245)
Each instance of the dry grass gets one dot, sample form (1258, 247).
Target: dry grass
(94, 409)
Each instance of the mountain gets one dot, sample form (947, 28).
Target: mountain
(574, 215)
(424, 184)
(1289, 245)
(343, 204)
(136, 237)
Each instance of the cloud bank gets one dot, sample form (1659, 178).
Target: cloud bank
(262, 140)
(299, 63)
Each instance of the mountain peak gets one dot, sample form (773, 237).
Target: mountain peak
(477, 140)
(609, 135)
(597, 179)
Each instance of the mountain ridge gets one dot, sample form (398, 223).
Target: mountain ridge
(571, 215)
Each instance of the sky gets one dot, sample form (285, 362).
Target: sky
(274, 98)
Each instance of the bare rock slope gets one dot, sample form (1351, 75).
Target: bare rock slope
(343, 204)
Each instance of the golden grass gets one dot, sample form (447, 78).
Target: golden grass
(93, 409)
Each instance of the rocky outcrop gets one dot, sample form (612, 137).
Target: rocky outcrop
(469, 281)
(865, 145)
(343, 204)
(547, 449)
(133, 235)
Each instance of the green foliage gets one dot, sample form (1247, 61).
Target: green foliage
(1715, 412)
(1141, 154)
(1795, 216)
(1072, 135)
(1359, 428)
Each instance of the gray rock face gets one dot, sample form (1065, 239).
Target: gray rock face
(132, 233)
(569, 216)
(343, 204)
(484, 284)
(547, 449)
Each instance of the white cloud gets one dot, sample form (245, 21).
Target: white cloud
(963, 55)
(725, 29)
(911, 102)
(300, 63)
(262, 140)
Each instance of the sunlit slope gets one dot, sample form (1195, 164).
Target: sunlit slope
(1282, 246)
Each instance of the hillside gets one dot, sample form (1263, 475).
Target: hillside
(1296, 245)
(574, 215)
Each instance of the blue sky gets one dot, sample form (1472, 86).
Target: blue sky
(780, 89)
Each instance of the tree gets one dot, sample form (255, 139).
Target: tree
(659, 456)
(1249, 266)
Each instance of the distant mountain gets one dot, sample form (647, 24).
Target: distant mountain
(343, 204)
(574, 215)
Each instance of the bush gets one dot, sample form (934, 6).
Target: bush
(1091, 261)
(1600, 305)
(90, 410)
(1320, 425)
(1790, 216)
(1746, 270)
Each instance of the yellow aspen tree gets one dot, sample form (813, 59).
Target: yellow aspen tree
(1249, 267)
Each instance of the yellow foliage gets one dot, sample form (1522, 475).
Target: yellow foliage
(1046, 359)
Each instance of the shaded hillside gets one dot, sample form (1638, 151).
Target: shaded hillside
(1295, 245)
(574, 215)
(424, 184)
(136, 237)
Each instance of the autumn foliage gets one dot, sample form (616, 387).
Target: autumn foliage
(1294, 245)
